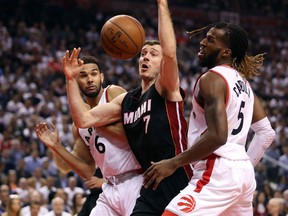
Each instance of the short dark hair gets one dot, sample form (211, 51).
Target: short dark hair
(91, 59)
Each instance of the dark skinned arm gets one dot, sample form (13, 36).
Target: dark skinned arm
(213, 94)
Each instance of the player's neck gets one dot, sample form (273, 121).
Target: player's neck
(93, 101)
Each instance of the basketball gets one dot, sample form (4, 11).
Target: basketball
(122, 37)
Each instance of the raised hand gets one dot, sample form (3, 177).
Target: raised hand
(72, 65)
(49, 137)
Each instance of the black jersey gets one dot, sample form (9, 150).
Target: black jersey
(156, 129)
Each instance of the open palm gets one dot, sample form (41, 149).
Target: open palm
(47, 136)
(72, 64)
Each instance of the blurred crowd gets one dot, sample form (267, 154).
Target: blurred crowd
(34, 37)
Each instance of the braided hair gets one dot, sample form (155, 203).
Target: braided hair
(237, 40)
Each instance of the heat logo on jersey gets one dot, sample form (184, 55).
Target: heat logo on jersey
(132, 117)
(186, 204)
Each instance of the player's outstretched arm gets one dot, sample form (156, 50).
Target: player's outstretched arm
(168, 82)
(83, 117)
(49, 137)
(79, 160)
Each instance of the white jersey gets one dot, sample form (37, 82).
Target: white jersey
(112, 159)
(239, 109)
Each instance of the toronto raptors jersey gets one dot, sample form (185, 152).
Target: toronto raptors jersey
(112, 158)
(239, 109)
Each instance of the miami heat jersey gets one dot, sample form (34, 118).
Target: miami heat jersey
(112, 158)
(156, 129)
(239, 109)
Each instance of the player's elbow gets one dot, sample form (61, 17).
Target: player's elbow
(64, 170)
(218, 138)
(82, 121)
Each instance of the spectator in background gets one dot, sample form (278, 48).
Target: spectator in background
(21, 169)
(12, 180)
(37, 181)
(275, 207)
(47, 189)
(13, 206)
(23, 190)
(61, 180)
(78, 201)
(72, 189)
(52, 167)
(260, 204)
(58, 208)
(260, 176)
(63, 195)
(35, 206)
(283, 159)
(4, 197)
(272, 170)
(32, 161)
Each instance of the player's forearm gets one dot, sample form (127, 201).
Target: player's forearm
(77, 106)
(206, 145)
(165, 29)
(61, 164)
(264, 136)
(82, 168)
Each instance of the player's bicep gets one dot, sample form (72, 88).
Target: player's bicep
(114, 91)
(258, 110)
(213, 92)
(168, 84)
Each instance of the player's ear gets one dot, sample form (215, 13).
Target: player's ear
(226, 52)
(102, 76)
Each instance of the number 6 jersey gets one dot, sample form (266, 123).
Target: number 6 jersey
(112, 158)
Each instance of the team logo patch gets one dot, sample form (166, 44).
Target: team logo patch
(186, 204)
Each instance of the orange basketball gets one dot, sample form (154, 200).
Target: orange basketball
(122, 37)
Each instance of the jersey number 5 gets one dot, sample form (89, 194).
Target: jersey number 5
(241, 118)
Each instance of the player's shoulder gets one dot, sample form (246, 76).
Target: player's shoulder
(114, 90)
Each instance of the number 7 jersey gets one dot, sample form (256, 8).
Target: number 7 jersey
(239, 109)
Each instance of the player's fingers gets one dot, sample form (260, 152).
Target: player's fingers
(157, 182)
(77, 52)
(149, 169)
(37, 130)
(147, 176)
(65, 57)
(150, 180)
(53, 126)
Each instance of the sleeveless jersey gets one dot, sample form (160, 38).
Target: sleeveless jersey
(156, 129)
(239, 109)
(112, 158)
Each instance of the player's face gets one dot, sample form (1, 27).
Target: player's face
(211, 48)
(150, 61)
(90, 80)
